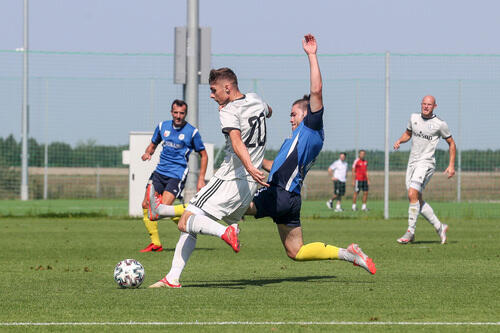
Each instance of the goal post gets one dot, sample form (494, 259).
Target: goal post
(139, 170)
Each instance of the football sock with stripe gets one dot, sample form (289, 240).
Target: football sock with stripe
(183, 250)
(317, 251)
(429, 215)
(199, 224)
(152, 227)
(413, 211)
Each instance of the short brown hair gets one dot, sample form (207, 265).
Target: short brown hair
(302, 102)
(179, 102)
(223, 73)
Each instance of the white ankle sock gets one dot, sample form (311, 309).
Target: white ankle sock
(345, 255)
(413, 211)
(199, 224)
(429, 215)
(183, 250)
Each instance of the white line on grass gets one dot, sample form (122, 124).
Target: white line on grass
(250, 323)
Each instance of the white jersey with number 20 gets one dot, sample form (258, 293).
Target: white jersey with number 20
(248, 115)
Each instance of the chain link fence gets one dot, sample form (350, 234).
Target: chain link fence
(83, 105)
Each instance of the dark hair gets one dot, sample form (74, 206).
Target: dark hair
(179, 102)
(223, 73)
(343, 153)
(362, 150)
(302, 102)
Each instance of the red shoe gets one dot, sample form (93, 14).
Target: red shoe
(230, 236)
(163, 283)
(152, 248)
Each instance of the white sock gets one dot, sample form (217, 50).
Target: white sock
(183, 250)
(345, 255)
(413, 211)
(199, 224)
(353, 206)
(166, 210)
(363, 206)
(338, 206)
(429, 215)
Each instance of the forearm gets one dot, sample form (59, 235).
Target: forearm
(242, 152)
(203, 165)
(453, 152)
(404, 138)
(316, 83)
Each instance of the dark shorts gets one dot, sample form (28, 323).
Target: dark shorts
(339, 188)
(163, 183)
(282, 206)
(361, 185)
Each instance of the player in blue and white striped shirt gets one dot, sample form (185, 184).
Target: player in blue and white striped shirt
(281, 200)
(179, 139)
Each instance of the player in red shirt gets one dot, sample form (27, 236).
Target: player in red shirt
(360, 179)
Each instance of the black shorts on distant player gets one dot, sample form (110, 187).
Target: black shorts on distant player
(361, 185)
(339, 188)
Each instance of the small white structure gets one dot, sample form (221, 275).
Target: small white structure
(140, 171)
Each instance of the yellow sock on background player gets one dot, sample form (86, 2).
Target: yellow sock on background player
(152, 227)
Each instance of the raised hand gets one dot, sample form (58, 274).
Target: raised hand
(309, 44)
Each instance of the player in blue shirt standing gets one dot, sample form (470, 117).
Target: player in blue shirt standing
(281, 200)
(179, 139)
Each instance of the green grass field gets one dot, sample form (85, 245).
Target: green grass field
(60, 269)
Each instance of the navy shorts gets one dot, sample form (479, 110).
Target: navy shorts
(282, 206)
(339, 188)
(361, 185)
(163, 183)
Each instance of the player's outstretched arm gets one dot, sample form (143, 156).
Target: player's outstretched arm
(311, 47)
(241, 151)
(404, 138)
(150, 150)
(450, 170)
(203, 169)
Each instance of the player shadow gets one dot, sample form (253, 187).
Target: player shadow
(432, 242)
(243, 283)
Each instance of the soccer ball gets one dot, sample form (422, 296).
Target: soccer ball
(129, 273)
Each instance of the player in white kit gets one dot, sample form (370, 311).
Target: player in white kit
(230, 191)
(425, 130)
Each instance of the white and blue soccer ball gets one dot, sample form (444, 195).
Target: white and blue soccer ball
(129, 273)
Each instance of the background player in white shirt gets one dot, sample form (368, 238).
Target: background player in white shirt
(231, 190)
(425, 130)
(338, 174)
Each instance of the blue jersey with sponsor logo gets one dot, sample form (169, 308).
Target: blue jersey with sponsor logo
(298, 153)
(177, 145)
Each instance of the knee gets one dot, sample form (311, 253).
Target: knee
(181, 225)
(292, 254)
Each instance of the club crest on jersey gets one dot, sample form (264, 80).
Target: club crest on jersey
(431, 127)
(166, 133)
(181, 136)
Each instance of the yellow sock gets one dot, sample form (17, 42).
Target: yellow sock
(152, 227)
(179, 209)
(317, 251)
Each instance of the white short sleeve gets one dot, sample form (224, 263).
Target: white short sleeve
(445, 131)
(229, 119)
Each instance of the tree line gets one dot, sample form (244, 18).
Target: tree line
(91, 154)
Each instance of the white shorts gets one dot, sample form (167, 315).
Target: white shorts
(226, 200)
(417, 176)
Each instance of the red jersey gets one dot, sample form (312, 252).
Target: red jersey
(359, 168)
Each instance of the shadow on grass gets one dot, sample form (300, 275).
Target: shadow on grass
(432, 242)
(242, 284)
